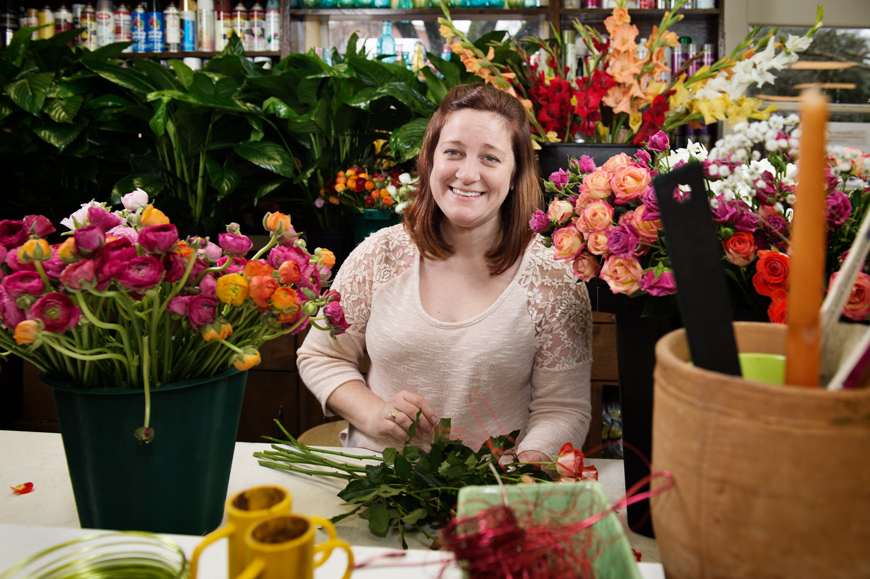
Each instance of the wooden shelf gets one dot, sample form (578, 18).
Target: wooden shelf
(368, 14)
(194, 54)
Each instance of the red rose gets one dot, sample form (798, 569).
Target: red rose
(740, 248)
(773, 272)
(778, 309)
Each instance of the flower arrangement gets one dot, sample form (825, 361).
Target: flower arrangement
(605, 219)
(626, 92)
(123, 301)
(362, 189)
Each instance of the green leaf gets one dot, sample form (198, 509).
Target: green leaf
(125, 77)
(159, 75)
(151, 184)
(277, 107)
(379, 518)
(406, 141)
(58, 135)
(376, 73)
(264, 190)
(16, 50)
(358, 491)
(224, 179)
(412, 430)
(376, 474)
(161, 116)
(183, 72)
(387, 491)
(412, 453)
(390, 455)
(402, 92)
(269, 156)
(108, 100)
(104, 52)
(414, 516)
(257, 124)
(403, 468)
(437, 88)
(29, 93)
(452, 75)
(63, 110)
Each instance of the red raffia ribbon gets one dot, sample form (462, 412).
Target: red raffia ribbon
(22, 489)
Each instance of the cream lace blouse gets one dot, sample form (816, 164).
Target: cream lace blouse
(523, 363)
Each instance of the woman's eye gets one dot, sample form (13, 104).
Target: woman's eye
(451, 152)
(491, 159)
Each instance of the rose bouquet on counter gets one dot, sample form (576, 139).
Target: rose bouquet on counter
(124, 302)
(605, 220)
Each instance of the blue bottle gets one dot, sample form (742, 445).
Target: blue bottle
(386, 43)
(153, 27)
(137, 28)
(382, 3)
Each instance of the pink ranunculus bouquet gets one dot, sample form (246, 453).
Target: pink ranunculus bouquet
(123, 288)
(613, 232)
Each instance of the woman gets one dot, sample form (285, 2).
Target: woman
(463, 313)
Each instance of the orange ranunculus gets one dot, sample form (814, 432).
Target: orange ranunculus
(26, 332)
(275, 220)
(289, 272)
(183, 250)
(327, 258)
(248, 359)
(350, 173)
(217, 330)
(333, 199)
(370, 185)
(351, 182)
(284, 299)
(377, 193)
(289, 316)
(387, 200)
(260, 289)
(772, 272)
(151, 216)
(34, 250)
(339, 187)
(66, 251)
(232, 289)
(257, 267)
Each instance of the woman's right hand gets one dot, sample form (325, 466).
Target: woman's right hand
(395, 416)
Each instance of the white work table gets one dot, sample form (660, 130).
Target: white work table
(47, 516)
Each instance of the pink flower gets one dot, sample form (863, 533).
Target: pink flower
(280, 254)
(113, 256)
(659, 142)
(335, 316)
(3, 252)
(616, 161)
(122, 231)
(559, 179)
(539, 222)
(662, 285)
(651, 202)
(643, 157)
(584, 164)
(596, 243)
(158, 238)
(89, 239)
(597, 184)
(12, 233)
(647, 229)
(80, 275)
(236, 266)
(311, 279)
(586, 266)
(15, 265)
(622, 240)
(746, 220)
(208, 285)
(201, 310)
(629, 182)
(10, 314)
(622, 274)
(837, 209)
(569, 465)
(135, 200)
(235, 244)
(102, 218)
(595, 216)
(174, 265)
(210, 253)
(140, 274)
(56, 311)
(858, 305)
(178, 305)
(560, 211)
(23, 283)
(567, 242)
(38, 225)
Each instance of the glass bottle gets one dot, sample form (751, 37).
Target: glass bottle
(386, 43)
(205, 25)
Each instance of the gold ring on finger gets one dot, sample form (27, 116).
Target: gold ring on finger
(393, 415)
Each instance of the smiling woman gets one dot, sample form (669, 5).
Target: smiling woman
(461, 314)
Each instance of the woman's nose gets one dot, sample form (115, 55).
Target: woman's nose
(468, 172)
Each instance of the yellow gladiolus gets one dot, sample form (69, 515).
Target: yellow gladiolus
(232, 289)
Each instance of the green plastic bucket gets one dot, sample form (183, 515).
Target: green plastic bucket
(370, 220)
(175, 484)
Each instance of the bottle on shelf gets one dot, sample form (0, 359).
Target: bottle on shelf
(105, 22)
(62, 19)
(137, 28)
(172, 28)
(9, 21)
(241, 25)
(123, 21)
(223, 27)
(154, 26)
(386, 43)
(205, 25)
(31, 18)
(88, 37)
(46, 16)
(382, 4)
(273, 25)
(257, 27)
(187, 21)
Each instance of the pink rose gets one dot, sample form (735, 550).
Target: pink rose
(584, 164)
(57, 312)
(622, 240)
(596, 243)
(622, 274)
(586, 266)
(617, 161)
(539, 221)
(838, 209)
(595, 216)
(659, 142)
(858, 305)
(560, 211)
(647, 229)
(740, 248)
(567, 242)
(559, 179)
(597, 184)
(663, 285)
(629, 182)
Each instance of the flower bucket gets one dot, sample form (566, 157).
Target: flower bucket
(177, 483)
(770, 480)
(371, 220)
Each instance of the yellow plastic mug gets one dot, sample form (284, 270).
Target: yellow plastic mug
(245, 510)
(283, 548)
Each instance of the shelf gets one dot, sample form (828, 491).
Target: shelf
(194, 54)
(366, 14)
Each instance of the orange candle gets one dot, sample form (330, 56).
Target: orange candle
(803, 342)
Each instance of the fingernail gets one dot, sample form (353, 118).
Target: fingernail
(434, 420)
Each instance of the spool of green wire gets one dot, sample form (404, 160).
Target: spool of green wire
(116, 555)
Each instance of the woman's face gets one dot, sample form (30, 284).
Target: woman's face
(473, 168)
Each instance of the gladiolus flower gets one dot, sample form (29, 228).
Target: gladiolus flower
(277, 222)
(151, 216)
(56, 311)
(232, 289)
(34, 250)
(220, 329)
(249, 358)
(26, 332)
(256, 267)
(260, 289)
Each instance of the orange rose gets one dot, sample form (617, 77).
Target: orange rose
(597, 184)
(629, 182)
(647, 230)
(778, 309)
(567, 242)
(596, 243)
(596, 216)
(232, 289)
(260, 289)
(773, 272)
(616, 161)
(151, 216)
(740, 248)
(289, 272)
(560, 211)
(256, 267)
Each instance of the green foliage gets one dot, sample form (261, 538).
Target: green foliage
(409, 488)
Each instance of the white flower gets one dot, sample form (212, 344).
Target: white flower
(697, 150)
(791, 198)
(405, 178)
(135, 200)
(400, 208)
(80, 217)
(797, 43)
(391, 189)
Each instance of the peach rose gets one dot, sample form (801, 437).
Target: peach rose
(622, 274)
(629, 182)
(597, 184)
(858, 305)
(596, 243)
(647, 230)
(560, 211)
(596, 216)
(567, 242)
(586, 266)
(740, 248)
(616, 161)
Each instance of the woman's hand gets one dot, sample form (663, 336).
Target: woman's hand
(394, 418)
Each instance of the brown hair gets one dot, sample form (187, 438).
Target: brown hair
(423, 218)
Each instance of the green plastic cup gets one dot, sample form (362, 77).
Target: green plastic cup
(768, 368)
